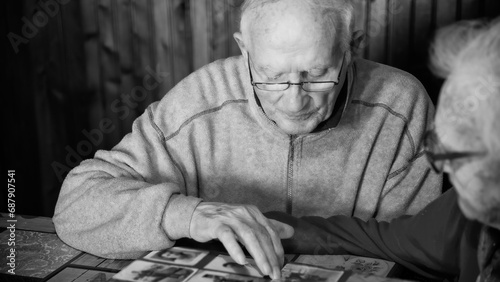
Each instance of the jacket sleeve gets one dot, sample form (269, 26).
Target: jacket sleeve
(409, 189)
(426, 243)
(411, 183)
(127, 200)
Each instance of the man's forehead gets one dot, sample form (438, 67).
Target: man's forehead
(285, 24)
(277, 66)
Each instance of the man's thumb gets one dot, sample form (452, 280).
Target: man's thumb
(284, 230)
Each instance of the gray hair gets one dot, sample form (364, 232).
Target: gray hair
(468, 53)
(338, 14)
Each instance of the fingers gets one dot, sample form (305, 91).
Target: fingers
(270, 243)
(259, 246)
(278, 248)
(284, 230)
(254, 245)
(279, 231)
(246, 224)
(275, 253)
(227, 238)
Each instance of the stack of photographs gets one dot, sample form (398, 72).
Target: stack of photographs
(183, 264)
(179, 264)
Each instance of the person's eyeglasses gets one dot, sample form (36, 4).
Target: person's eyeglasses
(309, 86)
(438, 156)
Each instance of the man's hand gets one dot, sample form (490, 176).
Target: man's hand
(246, 224)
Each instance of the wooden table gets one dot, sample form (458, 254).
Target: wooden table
(41, 256)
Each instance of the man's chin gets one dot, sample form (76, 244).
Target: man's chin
(297, 127)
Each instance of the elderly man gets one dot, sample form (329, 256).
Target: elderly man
(294, 124)
(449, 236)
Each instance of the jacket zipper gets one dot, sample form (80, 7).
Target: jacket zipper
(289, 176)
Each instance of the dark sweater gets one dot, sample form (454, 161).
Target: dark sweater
(438, 242)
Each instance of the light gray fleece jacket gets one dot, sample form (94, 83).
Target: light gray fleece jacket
(208, 139)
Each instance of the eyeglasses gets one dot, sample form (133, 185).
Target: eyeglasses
(309, 86)
(437, 155)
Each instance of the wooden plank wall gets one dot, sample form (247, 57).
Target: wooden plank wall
(47, 101)
(126, 42)
(124, 38)
(106, 60)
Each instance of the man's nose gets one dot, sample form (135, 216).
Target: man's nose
(295, 98)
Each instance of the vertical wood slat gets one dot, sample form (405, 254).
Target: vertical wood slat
(201, 28)
(126, 64)
(492, 8)
(123, 31)
(360, 12)
(91, 43)
(182, 48)
(446, 11)
(110, 76)
(166, 53)
(143, 45)
(152, 52)
(422, 21)
(45, 123)
(376, 31)
(163, 41)
(21, 151)
(73, 87)
(234, 8)
(220, 32)
(399, 32)
(360, 20)
(91, 30)
(470, 9)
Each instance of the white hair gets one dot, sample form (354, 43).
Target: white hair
(337, 14)
(467, 53)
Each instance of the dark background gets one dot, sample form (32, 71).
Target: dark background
(74, 69)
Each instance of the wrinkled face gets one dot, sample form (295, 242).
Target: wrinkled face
(290, 45)
(475, 178)
(295, 110)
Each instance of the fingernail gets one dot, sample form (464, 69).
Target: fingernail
(276, 274)
(267, 270)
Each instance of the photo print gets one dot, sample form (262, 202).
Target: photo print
(144, 271)
(298, 272)
(227, 264)
(216, 276)
(177, 255)
(360, 265)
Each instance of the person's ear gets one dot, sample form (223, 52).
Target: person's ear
(357, 41)
(238, 36)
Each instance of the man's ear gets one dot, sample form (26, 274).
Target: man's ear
(239, 40)
(357, 41)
